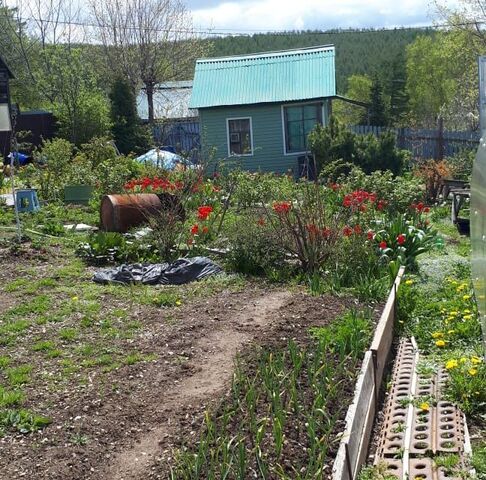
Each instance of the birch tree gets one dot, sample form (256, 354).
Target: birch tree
(147, 41)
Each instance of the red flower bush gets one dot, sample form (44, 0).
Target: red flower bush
(155, 184)
(383, 245)
(347, 231)
(401, 239)
(195, 229)
(370, 235)
(282, 208)
(204, 212)
(356, 199)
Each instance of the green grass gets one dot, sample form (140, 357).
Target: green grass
(350, 334)
(27, 286)
(10, 398)
(43, 346)
(4, 361)
(18, 375)
(15, 326)
(37, 305)
(68, 334)
(479, 460)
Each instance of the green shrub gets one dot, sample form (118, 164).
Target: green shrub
(253, 248)
(461, 164)
(54, 159)
(398, 192)
(252, 189)
(369, 152)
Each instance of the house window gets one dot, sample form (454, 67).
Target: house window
(299, 120)
(240, 141)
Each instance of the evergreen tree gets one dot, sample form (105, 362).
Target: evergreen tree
(377, 113)
(129, 134)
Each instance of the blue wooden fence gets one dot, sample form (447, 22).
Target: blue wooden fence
(424, 143)
(182, 135)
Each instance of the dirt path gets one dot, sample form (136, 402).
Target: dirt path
(125, 424)
(214, 372)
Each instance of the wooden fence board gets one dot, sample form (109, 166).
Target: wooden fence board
(360, 416)
(357, 414)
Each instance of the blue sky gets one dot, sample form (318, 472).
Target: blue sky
(309, 14)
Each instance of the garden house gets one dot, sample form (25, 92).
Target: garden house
(258, 109)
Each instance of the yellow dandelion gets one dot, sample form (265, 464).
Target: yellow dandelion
(460, 288)
(450, 332)
(424, 406)
(472, 371)
(437, 335)
(467, 310)
(467, 317)
(475, 360)
(75, 298)
(408, 282)
(453, 313)
(450, 364)
(178, 303)
(466, 297)
(440, 343)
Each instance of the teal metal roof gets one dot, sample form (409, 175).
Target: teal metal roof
(265, 77)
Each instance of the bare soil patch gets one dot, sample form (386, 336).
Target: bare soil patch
(124, 422)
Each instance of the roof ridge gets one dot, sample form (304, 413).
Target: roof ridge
(275, 53)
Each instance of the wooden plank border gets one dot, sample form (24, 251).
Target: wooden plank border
(361, 413)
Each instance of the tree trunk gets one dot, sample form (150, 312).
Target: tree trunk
(149, 89)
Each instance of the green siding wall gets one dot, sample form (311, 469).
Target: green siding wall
(268, 145)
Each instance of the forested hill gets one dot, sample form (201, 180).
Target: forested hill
(363, 51)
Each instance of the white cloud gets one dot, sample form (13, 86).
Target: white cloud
(310, 14)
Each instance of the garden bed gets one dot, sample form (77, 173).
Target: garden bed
(118, 375)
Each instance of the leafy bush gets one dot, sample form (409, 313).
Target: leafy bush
(308, 228)
(91, 118)
(401, 242)
(108, 247)
(432, 173)
(336, 142)
(461, 164)
(253, 248)
(54, 158)
(399, 192)
(252, 189)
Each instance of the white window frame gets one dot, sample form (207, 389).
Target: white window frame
(228, 137)
(284, 130)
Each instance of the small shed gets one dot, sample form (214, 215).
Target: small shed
(258, 109)
(176, 125)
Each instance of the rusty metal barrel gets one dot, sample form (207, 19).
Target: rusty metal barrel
(120, 213)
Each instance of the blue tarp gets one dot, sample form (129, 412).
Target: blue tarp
(163, 159)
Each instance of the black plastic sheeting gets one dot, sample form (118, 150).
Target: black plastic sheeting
(183, 270)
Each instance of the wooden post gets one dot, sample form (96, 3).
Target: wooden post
(440, 140)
